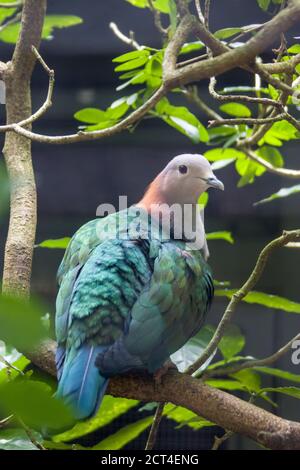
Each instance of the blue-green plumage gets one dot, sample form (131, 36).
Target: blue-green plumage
(123, 304)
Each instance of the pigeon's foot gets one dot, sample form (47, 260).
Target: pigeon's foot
(158, 375)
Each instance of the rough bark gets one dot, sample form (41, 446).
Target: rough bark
(17, 153)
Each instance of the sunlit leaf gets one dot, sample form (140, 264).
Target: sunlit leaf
(249, 378)
(11, 32)
(223, 154)
(90, 115)
(283, 192)
(219, 164)
(290, 391)
(264, 4)
(189, 47)
(223, 235)
(225, 384)
(236, 109)
(271, 155)
(110, 409)
(185, 417)
(58, 243)
(232, 342)
(282, 374)
(124, 435)
(203, 199)
(295, 49)
(132, 64)
(261, 298)
(141, 53)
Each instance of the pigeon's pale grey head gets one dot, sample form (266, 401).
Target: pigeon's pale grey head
(182, 181)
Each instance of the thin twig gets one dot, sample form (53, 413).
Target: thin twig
(249, 364)
(199, 11)
(254, 277)
(127, 39)
(206, 13)
(192, 95)
(5, 421)
(287, 172)
(155, 426)
(31, 435)
(240, 98)
(248, 121)
(157, 20)
(219, 440)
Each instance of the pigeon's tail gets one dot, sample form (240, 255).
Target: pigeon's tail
(81, 386)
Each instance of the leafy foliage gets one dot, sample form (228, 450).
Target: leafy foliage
(10, 33)
(261, 298)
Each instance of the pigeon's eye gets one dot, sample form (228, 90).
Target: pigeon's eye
(183, 169)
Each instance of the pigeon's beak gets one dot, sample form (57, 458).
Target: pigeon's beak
(215, 183)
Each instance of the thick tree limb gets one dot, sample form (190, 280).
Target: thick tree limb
(215, 405)
(174, 76)
(17, 153)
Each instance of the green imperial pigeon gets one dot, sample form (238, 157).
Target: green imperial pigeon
(134, 286)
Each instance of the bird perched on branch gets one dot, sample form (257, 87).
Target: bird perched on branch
(134, 286)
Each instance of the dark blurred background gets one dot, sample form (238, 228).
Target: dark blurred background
(73, 180)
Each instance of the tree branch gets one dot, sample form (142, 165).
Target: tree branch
(17, 153)
(254, 277)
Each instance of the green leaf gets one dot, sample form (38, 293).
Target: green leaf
(10, 33)
(183, 120)
(59, 243)
(227, 236)
(185, 417)
(218, 165)
(90, 115)
(58, 21)
(236, 109)
(272, 155)
(295, 49)
(280, 131)
(162, 5)
(139, 3)
(191, 351)
(290, 391)
(248, 169)
(131, 64)
(111, 408)
(18, 315)
(226, 33)
(124, 435)
(264, 4)
(283, 192)
(141, 53)
(261, 298)
(19, 364)
(223, 154)
(249, 378)
(282, 374)
(17, 439)
(6, 12)
(203, 199)
(225, 384)
(33, 402)
(189, 47)
(232, 342)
